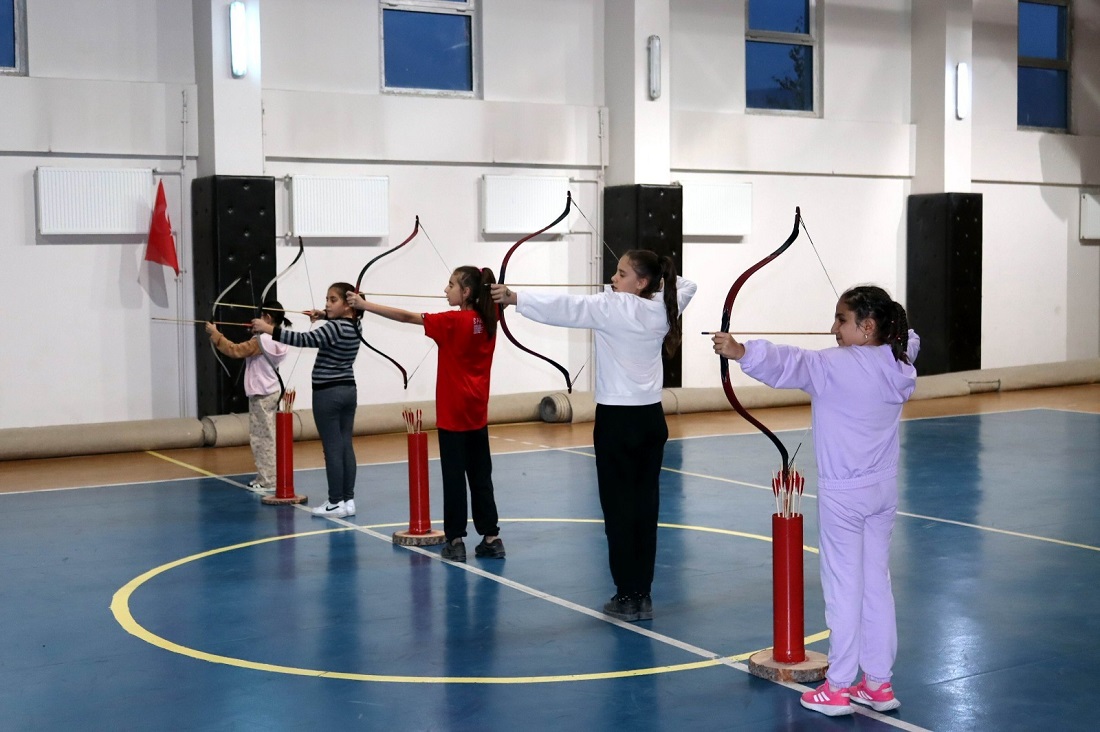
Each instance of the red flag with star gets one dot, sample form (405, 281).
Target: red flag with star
(162, 245)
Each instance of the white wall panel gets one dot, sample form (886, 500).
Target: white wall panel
(717, 208)
(91, 201)
(514, 204)
(339, 206)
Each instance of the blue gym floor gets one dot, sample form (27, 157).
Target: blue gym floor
(189, 605)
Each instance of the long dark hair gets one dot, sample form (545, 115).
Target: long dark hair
(661, 274)
(891, 322)
(477, 280)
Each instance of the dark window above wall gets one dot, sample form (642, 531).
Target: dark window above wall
(429, 47)
(780, 47)
(13, 37)
(1043, 67)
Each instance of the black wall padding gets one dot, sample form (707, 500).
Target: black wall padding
(646, 217)
(944, 284)
(233, 233)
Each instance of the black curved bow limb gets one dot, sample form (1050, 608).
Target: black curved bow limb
(727, 307)
(260, 313)
(500, 308)
(358, 284)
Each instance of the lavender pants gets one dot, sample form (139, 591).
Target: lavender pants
(855, 527)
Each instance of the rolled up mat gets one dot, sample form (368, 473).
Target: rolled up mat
(28, 443)
(226, 430)
(581, 406)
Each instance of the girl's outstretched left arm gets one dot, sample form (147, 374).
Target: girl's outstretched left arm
(359, 302)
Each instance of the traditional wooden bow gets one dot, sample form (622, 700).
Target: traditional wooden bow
(727, 387)
(358, 284)
(500, 308)
(260, 312)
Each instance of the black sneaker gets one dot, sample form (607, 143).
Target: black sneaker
(490, 550)
(623, 607)
(455, 550)
(645, 606)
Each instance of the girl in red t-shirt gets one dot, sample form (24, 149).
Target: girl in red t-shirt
(466, 338)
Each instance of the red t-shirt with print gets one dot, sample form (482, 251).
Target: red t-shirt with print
(465, 359)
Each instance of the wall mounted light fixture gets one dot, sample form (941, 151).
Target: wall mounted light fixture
(962, 90)
(238, 39)
(653, 46)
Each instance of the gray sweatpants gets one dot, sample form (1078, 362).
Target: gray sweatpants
(334, 414)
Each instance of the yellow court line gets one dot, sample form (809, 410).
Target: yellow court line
(120, 608)
(195, 468)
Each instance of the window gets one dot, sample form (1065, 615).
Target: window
(428, 46)
(13, 34)
(1042, 81)
(779, 55)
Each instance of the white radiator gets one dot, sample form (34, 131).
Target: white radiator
(91, 201)
(514, 204)
(339, 206)
(717, 209)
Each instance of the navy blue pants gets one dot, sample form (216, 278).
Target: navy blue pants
(465, 456)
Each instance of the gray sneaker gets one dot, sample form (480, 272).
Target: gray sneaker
(454, 551)
(623, 607)
(645, 606)
(490, 550)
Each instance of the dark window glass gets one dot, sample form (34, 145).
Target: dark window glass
(1041, 98)
(7, 34)
(1042, 31)
(782, 16)
(427, 50)
(779, 76)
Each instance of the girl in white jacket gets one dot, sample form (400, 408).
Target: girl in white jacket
(632, 319)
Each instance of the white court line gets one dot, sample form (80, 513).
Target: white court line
(652, 635)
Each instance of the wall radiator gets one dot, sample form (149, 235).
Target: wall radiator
(339, 206)
(93, 201)
(717, 208)
(514, 204)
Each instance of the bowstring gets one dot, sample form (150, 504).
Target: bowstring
(615, 257)
(802, 222)
(813, 246)
(595, 231)
(309, 286)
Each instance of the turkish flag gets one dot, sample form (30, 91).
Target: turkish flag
(162, 247)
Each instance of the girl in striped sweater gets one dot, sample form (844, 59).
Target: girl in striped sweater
(334, 393)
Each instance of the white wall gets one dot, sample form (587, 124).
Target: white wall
(106, 87)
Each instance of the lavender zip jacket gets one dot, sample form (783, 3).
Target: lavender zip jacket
(856, 394)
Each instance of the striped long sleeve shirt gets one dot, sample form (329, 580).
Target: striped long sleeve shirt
(337, 345)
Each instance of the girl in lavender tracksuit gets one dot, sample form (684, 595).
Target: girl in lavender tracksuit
(857, 392)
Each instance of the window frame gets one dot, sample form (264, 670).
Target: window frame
(811, 39)
(20, 23)
(1037, 62)
(467, 8)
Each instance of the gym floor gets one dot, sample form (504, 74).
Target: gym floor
(154, 591)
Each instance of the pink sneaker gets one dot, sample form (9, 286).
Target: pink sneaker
(825, 700)
(881, 699)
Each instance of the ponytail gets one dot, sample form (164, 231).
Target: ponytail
(477, 280)
(661, 274)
